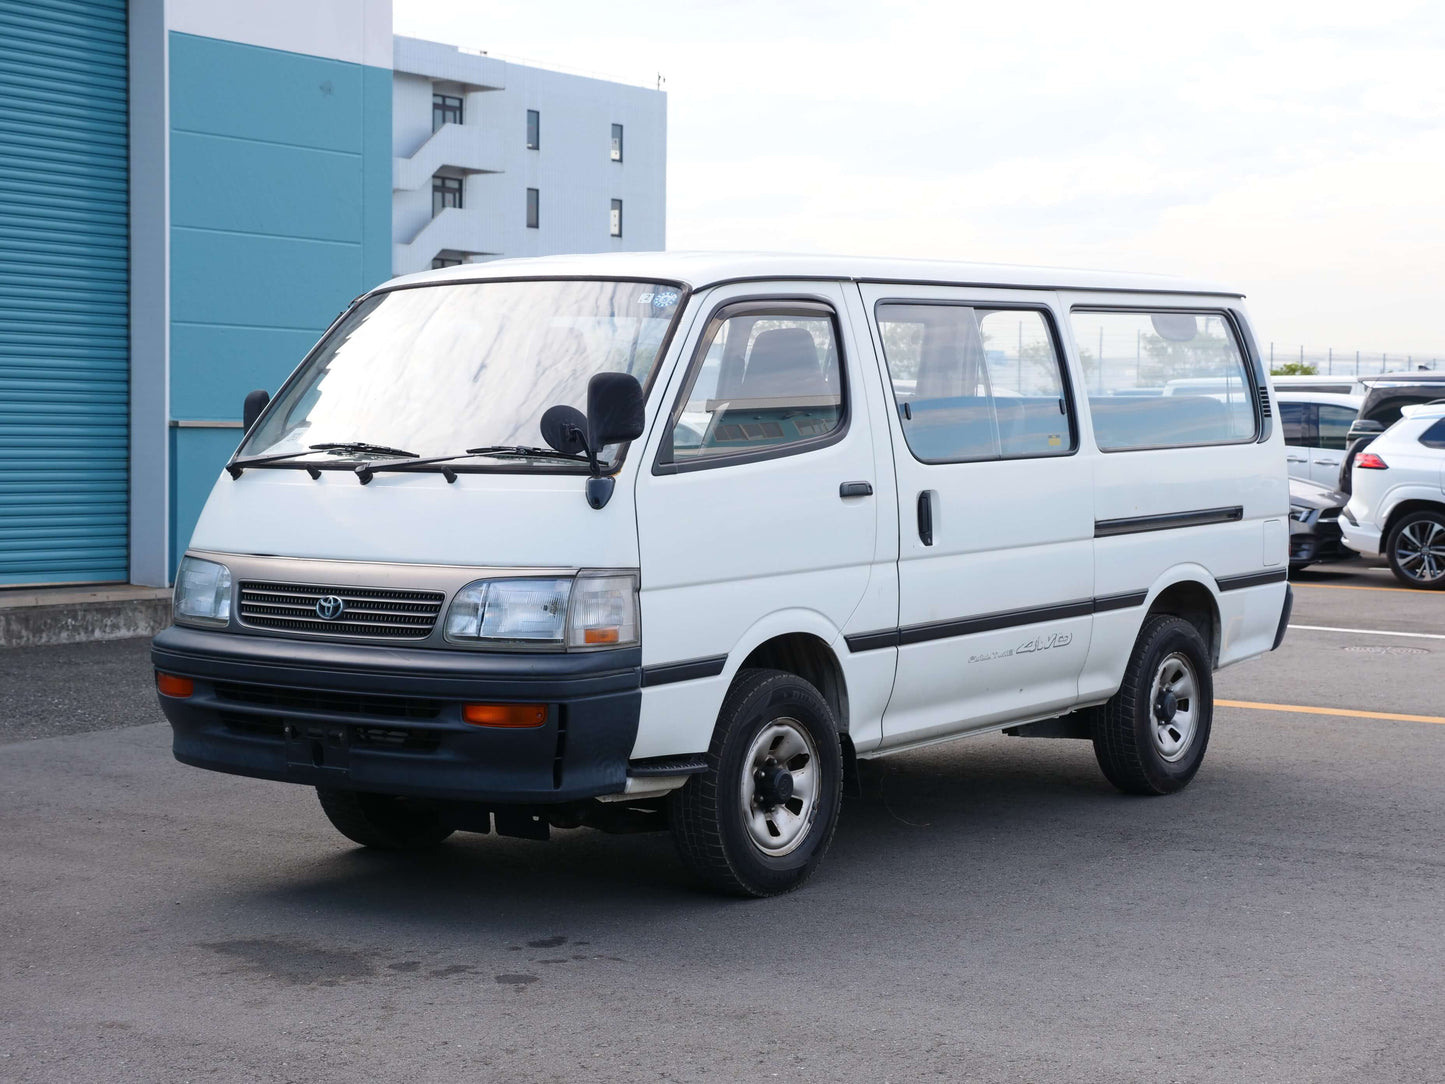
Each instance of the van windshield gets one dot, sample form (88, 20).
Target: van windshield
(438, 369)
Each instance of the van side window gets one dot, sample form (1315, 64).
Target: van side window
(763, 378)
(975, 383)
(1164, 379)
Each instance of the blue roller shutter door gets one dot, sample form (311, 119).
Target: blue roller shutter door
(64, 327)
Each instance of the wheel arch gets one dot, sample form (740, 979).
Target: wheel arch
(808, 656)
(1191, 595)
(1403, 508)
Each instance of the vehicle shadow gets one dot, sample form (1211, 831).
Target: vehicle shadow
(967, 820)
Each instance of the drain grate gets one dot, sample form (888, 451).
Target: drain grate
(1376, 649)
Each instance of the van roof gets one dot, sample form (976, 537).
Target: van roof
(700, 269)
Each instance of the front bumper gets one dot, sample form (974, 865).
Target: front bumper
(388, 719)
(1319, 540)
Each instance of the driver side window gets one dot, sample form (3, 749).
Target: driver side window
(764, 379)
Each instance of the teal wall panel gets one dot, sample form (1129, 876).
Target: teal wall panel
(196, 458)
(64, 292)
(376, 166)
(246, 91)
(280, 215)
(263, 188)
(223, 364)
(251, 281)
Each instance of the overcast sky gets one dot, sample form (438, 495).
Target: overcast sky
(1296, 150)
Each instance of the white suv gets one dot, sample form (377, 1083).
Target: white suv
(1398, 506)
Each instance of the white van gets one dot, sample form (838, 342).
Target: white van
(639, 540)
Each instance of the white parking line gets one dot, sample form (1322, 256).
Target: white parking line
(1370, 632)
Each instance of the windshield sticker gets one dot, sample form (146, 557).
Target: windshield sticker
(662, 299)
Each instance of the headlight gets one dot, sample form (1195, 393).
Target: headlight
(590, 610)
(1301, 513)
(203, 593)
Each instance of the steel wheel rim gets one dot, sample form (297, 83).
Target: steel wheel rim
(1173, 731)
(778, 829)
(1420, 550)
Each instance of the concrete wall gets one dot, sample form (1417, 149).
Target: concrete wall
(280, 206)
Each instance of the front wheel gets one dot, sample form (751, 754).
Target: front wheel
(1416, 549)
(1150, 738)
(759, 820)
(383, 821)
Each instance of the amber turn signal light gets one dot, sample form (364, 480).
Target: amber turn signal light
(170, 685)
(517, 716)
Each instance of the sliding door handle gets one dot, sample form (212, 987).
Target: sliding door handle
(925, 517)
(856, 489)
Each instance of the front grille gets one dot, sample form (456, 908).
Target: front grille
(369, 611)
(331, 703)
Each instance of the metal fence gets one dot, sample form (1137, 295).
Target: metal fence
(1333, 362)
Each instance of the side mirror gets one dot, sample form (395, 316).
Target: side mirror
(615, 413)
(255, 403)
(1364, 427)
(614, 409)
(565, 429)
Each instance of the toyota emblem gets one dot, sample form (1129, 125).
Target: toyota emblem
(329, 608)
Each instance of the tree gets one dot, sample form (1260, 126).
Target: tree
(1294, 368)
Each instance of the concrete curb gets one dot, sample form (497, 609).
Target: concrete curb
(72, 616)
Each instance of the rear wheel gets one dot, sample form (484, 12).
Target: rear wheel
(1416, 550)
(1150, 738)
(383, 821)
(759, 820)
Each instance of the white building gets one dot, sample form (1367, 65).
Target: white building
(494, 159)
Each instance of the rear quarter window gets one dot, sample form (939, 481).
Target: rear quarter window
(1434, 436)
(1162, 379)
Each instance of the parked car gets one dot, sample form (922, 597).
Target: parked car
(799, 523)
(1314, 524)
(1398, 505)
(1316, 427)
(1387, 396)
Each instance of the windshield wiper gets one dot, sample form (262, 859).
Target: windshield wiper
(361, 446)
(366, 471)
(236, 466)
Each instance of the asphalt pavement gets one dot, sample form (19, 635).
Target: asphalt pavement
(991, 911)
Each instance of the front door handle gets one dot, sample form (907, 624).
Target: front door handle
(925, 517)
(856, 489)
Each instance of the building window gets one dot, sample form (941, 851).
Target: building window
(617, 218)
(617, 142)
(534, 130)
(445, 109)
(446, 261)
(532, 202)
(445, 192)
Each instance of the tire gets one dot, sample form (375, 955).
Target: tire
(383, 821)
(733, 827)
(1416, 550)
(1138, 750)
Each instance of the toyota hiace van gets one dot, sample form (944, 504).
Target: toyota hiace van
(674, 540)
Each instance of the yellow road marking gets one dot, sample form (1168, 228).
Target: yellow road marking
(1357, 587)
(1346, 712)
